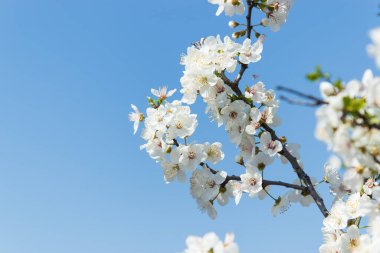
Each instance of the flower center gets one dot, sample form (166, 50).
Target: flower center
(191, 155)
(272, 145)
(252, 182)
(179, 125)
(210, 183)
(203, 80)
(233, 115)
(220, 89)
(354, 243)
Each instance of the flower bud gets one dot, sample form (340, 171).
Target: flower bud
(264, 22)
(236, 35)
(327, 89)
(261, 166)
(239, 160)
(375, 151)
(283, 139)
(235, 2)
(233, 24)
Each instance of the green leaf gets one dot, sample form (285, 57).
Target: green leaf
(353, 105)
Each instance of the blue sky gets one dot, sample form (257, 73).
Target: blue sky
(72, 177)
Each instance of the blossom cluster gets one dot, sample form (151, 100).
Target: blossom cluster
(349, 123)
(207, 60)
(276, 11)
(169, 125)
(210, 242)
(342, 227)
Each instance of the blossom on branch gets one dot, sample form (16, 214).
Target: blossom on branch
(230, 7)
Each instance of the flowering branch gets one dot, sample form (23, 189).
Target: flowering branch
(345, 114)
(265, 182)
(300, 173)
(293, 161)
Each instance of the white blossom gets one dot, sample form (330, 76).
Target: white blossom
(251, 182)
(192, 155)
(230, 7)
(281, 10)
(249, 53)
(269, 146)
(163, 93)
(211, 243)
(136, 117)
(281, 205)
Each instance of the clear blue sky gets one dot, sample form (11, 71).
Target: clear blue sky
(72, 177)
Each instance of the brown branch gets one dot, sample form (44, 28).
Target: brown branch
(296, 166)
(293, 160)
(300, 172)
(366, 122)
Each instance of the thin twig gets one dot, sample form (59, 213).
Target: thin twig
(317, 100)
(299, 102)
(265, 182)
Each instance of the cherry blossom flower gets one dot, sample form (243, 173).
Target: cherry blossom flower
(251, 52)
(268, 146)
(281, 205)
(205, 185)
(230, 7)
(214, 152)
(136, 117)
(251, 182)
(280, 13)
(192, 156)
(211, 243)
(163, 93)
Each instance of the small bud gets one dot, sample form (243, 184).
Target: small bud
(235, 2)
(283, 139)
(236, 35)
(169, 150)
(257, 35)
(327, 89)
(264, 22)
(359, 169)
(242, 32)
(261, 166)
(375, 151)
(239, 160)
(257, 150)
(233, 24)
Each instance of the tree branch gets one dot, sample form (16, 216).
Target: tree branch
(365, 122)
(293, 160)
(317, 101)
(300, 172)
(265, 183)
(299, 102)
